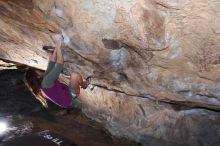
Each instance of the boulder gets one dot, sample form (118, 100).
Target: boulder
(140, 51)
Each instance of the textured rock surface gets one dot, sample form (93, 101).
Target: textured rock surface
(163, 50)
(152, 123)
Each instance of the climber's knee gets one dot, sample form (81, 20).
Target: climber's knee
(75, 80)
(75, 75)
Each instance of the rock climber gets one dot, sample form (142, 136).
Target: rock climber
(47, 83)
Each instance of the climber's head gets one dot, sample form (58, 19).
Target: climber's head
(39, 73)
(33, 79)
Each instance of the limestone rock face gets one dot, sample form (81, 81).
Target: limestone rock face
(162, 50)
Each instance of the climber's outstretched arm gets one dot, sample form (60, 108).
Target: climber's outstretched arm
(59, 55)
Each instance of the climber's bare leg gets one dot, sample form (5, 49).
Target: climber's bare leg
(76, 81)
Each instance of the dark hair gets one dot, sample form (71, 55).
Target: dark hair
(34, 84)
